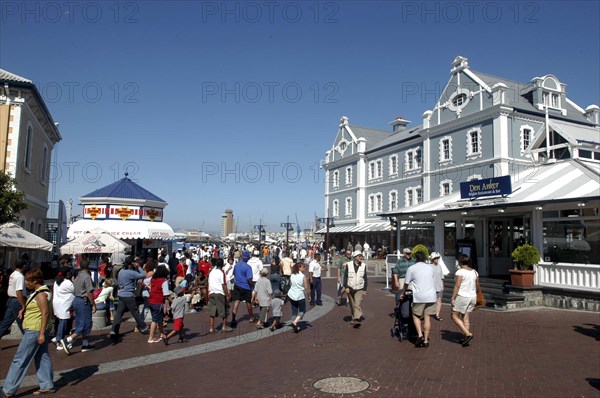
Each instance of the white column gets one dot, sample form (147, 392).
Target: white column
(361, 182)
(12, 150)
(501, 142)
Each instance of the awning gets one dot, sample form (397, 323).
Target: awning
(96, 241)
(575, 133)
(11, 235)
(575, 180)
(124, 229)
(365, 227)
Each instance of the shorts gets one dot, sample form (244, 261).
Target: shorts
(216, 306)
(157, 313)
(420, 309)
(178, 324)
(464, 304)
(240, 294)
(439, 294)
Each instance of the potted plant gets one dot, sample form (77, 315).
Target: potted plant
(524, 258)
(420, 248)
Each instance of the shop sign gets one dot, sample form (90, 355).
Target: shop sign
(124, 212)
(487, 187)
(94, 212)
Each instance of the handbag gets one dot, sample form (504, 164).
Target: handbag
(480, 301)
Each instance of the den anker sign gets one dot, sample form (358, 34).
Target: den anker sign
(486, 187)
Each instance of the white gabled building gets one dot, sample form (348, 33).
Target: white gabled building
(482, 127)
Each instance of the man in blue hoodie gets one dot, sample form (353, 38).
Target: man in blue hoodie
(243, 286)
(128, 278)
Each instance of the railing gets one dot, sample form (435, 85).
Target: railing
(573, 276)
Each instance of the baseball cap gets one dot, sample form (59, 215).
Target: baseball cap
(406, 250)
(245, 255)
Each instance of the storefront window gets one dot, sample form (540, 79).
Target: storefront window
(417, 232)
(572, 241)
(450, 238)
(473, 230)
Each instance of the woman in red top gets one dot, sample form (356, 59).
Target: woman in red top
(181, 269)
(159, 290)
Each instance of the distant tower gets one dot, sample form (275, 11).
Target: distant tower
(227, 223)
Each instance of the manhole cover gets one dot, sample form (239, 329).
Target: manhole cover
(341, 385)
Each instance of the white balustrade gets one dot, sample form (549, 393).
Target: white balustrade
(572, 276)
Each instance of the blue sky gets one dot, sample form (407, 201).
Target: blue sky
(214, 105)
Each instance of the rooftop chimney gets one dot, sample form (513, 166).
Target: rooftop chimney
(399, 123)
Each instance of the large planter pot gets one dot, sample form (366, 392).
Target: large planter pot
(523, 278)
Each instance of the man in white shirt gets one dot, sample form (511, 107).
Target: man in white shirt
(219, 296)
(422, 277)
(256, 264)
(366, 250)
(16, 300)
(314, 272)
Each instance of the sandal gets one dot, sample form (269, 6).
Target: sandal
(437, 318)
(40, 392)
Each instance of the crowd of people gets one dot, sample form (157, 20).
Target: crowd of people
(216, 278)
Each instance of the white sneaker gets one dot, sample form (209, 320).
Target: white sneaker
(59, 348)
(53, 340)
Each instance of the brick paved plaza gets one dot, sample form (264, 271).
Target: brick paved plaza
(530, 353)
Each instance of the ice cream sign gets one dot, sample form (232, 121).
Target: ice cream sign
(93, 212)
(496, 186)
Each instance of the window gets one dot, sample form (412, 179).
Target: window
(375, 203)
(375, 169)
(551, 100)
(474, 142)
(336, 179)
(348, 207)
(526, 137)
(32, 227)
(348, 175)
(413, 196)
(43, 168)
(446, 149)
(459, 100)
(28, 145)
(393, 165)
(409, 197)
(445, 188)
(413, 159)
(393, 200)
(336, 208)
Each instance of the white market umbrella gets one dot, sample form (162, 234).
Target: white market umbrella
(11, 235)
(95, 241)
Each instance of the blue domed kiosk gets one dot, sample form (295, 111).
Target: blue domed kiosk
(127, 211)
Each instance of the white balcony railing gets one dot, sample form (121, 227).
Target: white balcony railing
(570, 276)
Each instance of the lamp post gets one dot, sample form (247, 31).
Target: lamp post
(393, 229)
(261, 231)
(328, 224)
(288, 228)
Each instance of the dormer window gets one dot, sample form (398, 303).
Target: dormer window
(549, 93)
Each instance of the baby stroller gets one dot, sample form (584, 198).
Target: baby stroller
(404, 327)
